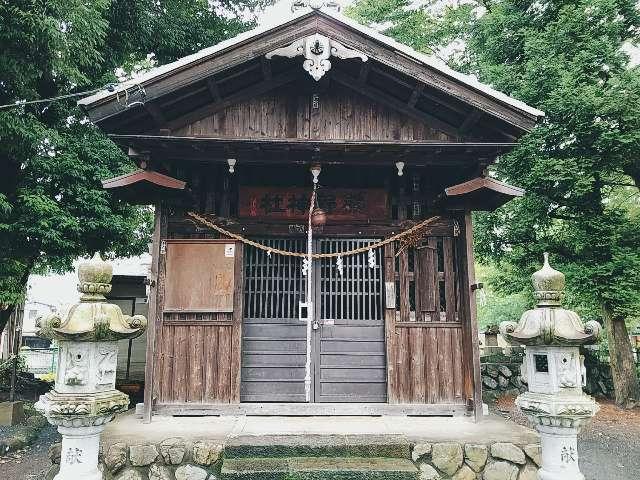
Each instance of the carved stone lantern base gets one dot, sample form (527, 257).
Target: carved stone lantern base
(79, 454)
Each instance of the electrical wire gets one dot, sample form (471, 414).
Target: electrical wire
(110, 87)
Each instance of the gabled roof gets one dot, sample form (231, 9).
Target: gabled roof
(422, 67)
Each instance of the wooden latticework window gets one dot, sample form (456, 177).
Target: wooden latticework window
(426, 282)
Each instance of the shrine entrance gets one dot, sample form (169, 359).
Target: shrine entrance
(348, 339)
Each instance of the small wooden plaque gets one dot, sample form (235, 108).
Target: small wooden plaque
(199, 276)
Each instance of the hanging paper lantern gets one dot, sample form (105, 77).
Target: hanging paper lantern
(318, 217)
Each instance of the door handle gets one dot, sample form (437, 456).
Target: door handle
(315, 325)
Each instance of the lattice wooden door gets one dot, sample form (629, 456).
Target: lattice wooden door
(348, 350)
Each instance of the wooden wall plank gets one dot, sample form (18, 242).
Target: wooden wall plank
(341, 114)
(417, 364)
(211, 366)
(196, 365)
(449, 279)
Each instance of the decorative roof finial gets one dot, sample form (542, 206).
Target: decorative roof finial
(93, 319)
(548, 285)
(549, 323)
(94, 278)
(315, 5)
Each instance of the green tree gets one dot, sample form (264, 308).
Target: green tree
(580, 165)
(52, 206)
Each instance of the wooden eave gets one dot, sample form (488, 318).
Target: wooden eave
(143, 186)
(481, 193)
(201, 84)
(293, 150)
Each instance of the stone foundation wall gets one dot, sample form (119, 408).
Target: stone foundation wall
(178, 459)
(456, 461)
(500, 379)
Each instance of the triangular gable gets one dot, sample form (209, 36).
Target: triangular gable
(340, 114)
(430, 83)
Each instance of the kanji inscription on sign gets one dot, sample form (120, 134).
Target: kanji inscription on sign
(340, 204)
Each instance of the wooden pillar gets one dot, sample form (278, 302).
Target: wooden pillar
(155, 310)
(390, 321)
(236, 335)
(473, 381)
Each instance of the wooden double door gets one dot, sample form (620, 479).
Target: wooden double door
(348, 360)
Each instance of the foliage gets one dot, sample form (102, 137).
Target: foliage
(579, 165)
(5, 370)
(495, 307)
(52, 206)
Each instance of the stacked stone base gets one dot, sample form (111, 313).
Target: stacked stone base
(498, 461)
(180, 459)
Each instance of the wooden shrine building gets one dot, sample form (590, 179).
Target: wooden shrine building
(230, 134)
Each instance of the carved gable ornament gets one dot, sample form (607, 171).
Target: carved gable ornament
(317, 49)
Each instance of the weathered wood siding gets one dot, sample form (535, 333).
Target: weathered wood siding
(197, 354)
(425, 340)
(337, 114)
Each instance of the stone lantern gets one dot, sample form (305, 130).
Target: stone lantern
(554, 403)
(84, 398)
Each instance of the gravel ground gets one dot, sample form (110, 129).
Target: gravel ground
(608, 448)
(32, 462)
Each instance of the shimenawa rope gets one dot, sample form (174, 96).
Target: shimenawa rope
(398, 236)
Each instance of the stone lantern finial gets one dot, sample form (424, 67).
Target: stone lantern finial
(548, 285)
(94, 278)
(93, 319)
(84, 397)
(549, 323)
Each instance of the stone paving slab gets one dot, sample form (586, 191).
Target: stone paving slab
(130, 429)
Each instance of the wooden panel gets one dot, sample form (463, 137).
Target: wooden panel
(430, 365)
(194, 363)
(200, 276)
(429, 362)
(341, 114)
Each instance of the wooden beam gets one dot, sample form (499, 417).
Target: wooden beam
(439, 100)
(224, 102)
(473, 379)
(236, 335)
(212, 85)
(365, 68)
(415, 95)
(155, 313)
(266, 68)
(471, 120)
(312, 409)
(155, 113)
(382, 97)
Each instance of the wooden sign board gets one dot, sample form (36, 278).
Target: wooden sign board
(292, 203)
(199, 276)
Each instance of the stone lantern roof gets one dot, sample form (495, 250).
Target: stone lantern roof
(92, 319)
(549, 323)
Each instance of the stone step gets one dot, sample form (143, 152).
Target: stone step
(318, 468)
(317, 446)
